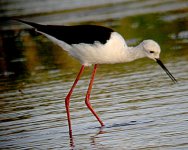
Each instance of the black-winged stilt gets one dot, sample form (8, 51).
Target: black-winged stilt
(92, 44)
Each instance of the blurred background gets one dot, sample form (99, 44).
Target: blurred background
(35, 76)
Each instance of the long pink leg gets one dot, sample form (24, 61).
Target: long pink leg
(88, 96)
(67, 99)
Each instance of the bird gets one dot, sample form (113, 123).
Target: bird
(95, 45)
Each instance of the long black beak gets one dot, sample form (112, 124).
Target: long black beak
(166, 70)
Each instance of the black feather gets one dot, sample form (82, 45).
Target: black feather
(74, 34)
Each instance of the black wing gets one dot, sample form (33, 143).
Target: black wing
(75, 34)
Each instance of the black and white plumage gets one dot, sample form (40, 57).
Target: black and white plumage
(91, 44)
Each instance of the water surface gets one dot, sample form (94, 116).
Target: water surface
(139, 104)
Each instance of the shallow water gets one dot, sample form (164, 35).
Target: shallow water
(139, 104)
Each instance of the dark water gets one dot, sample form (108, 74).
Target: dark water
(140, 106)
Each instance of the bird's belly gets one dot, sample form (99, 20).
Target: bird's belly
(89, 55)
(98, 54)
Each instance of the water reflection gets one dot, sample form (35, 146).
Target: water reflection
(94, 137)
(139, 105)
(103, 130)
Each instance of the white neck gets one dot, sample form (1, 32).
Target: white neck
(134, 53)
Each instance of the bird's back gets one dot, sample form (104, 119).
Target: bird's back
(78, 34)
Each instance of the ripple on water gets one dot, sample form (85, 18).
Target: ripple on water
(140, 106)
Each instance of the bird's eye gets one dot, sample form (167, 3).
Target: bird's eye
(151, 52)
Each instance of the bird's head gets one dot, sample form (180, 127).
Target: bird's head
(152, 50)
